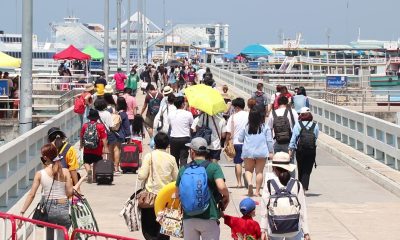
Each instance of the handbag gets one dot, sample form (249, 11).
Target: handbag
(171, 221)
(229, 148)
(204, 131)
(145, 198)
(130, 212)
(82, 216)
(41, 213)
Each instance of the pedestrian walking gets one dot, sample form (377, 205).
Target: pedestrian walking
(279, 189)
(57, 188)
(236, 124)
(158, 169)
(201, 213)
(83, 102)
(300, 100)
(262, 99)
(180, 122)
(119, 78)
(130, 103)
(257, 146)
(303, 142)
(132, 81)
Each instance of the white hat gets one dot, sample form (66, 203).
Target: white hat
(108, 89)
(167, 90)
(282, 160)
(304, 110)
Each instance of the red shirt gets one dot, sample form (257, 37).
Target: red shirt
(101, 131)
(244, 225)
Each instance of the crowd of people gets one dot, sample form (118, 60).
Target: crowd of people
(278, 128)
(11, 94)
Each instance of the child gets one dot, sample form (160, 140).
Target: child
(138, 131)
(93, 147)
(244, 227)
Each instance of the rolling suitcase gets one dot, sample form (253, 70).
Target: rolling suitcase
(104, 171)
(129, 157)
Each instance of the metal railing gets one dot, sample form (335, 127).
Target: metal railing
(88, 234)
(20, 158)
(372, 136)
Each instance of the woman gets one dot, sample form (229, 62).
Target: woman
(300, 100)
(305, 151)
(66, 150)
(56, 189)
(172, 79)
(158, 169)
(257, 145)
(281, 168)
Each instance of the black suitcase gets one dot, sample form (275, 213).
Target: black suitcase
(129, 157)
(104, 172)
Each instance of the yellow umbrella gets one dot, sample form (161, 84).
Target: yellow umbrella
(206, 99)
(8, 61)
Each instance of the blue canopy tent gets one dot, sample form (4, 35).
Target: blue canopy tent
(256, 51)
(229, 56)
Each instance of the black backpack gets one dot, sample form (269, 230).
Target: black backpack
(306, 140)
(281, 126)
(260, 100)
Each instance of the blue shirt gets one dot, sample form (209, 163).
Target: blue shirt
(256, 145)
(300, 101)
(296, 133)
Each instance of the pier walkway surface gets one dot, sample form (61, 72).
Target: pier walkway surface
(342, 203)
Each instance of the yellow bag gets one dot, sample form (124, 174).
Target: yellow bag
(229, 150)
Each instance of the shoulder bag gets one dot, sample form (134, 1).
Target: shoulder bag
(41, 212)
(145, 198)
(229, 148)
(171, 221)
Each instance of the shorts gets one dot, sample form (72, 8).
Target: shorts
(149, 121)
(139, 144)
(238, 156)
(89, 158)
(214, 154)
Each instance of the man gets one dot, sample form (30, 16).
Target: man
(153, 102)
(262, 99)
(273, 97)
(119, 78)
(132, 81)
(180, 122)
(167, 90)
(131, 104)
(279, 130)
(200, 74)
(217, 125)
(206, 224)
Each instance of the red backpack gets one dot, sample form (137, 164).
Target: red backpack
(79, 104)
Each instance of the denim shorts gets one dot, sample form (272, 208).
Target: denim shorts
(58, 213)
(238, 156)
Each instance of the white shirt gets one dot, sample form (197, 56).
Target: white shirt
(165, 111)
(240, 120)
(106, 119)
(273, 96)
(220, 123)
(280, 112)
(194, 124)
(200, 73)
(180, 122)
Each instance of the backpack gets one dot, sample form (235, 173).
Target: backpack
(154, 105)
(79, 104)
(281, 126)
(283, 208)
(205, 131)
(260, 101)
(116, 120)
(91, 136)
(306, 140)
(193, 188)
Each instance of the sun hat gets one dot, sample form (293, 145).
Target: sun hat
(167, 90)
(89, 87)
(54, 130)
(247, 205)
(93, 115)
(198, 144)
(304, 110)
(282, 160)
(108, 89)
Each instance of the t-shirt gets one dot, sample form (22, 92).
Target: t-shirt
(180, 122)
(132, 81)
(281, 112)
(119, 78)
(106, 119)
(200, 73)
(100, 83)
(192, 76)
(244, 225)
(217, 129)
(101, 131)
(148, 98)
(214, 172)
(131, 104)
(71, 157)
(240, 120)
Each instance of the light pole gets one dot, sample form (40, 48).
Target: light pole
(25, 113)
(163, 55)
(128, 39)
(119, 33)
(106, 36)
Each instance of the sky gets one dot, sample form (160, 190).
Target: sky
(251, 21)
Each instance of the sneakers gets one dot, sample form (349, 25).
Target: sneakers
(90, 177)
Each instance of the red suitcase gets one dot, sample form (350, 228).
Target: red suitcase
(129, 157)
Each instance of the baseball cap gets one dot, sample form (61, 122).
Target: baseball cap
(304, 110)
(247, 205)
(198, 144)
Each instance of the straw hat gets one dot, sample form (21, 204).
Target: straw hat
(89, 87)
(167, 90)
(108, 89)
(282, 160)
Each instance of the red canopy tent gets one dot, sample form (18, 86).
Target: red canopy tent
(71, 53)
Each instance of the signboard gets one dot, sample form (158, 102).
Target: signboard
(391, 46)
(203, 51)
(254, 64)
(4, 88)
(336, 81)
